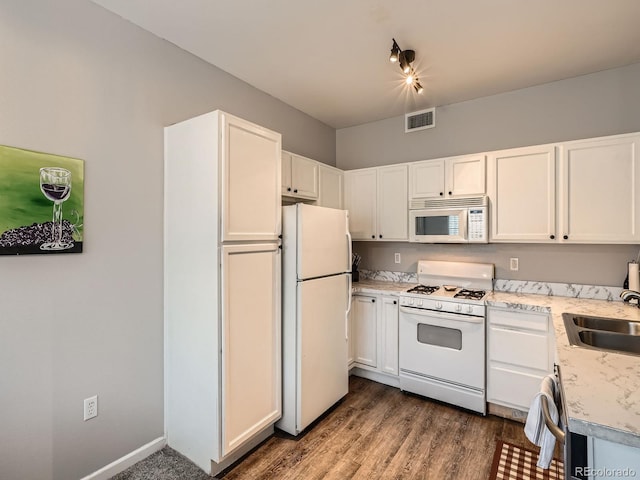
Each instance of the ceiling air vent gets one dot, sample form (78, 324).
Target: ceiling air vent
(420, 120)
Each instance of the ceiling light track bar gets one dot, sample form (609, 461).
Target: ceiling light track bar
(405, 58)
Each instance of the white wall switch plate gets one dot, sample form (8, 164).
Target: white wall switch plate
(396, 257)
(514, 264)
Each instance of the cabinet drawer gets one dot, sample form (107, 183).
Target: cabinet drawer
(525, 349)
(512, 388)
(519, 319)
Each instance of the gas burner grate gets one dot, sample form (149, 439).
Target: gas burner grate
(423, 289)
(470, 294)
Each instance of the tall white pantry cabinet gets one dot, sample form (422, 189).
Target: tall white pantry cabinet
(222, 287)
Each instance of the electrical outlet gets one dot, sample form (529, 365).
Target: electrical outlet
(396, 257)
(90, 407)
(513, 264)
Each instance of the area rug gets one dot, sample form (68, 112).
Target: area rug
(517, 463)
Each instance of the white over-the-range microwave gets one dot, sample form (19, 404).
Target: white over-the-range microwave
(449, 220)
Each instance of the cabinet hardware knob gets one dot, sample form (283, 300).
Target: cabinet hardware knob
(288, 189)
(450, 193)
(380, 236)
(395, 302)
(566, 237)
(295, 190)
(373, 236)
(552, 237)
(441, 193)
(373, 300)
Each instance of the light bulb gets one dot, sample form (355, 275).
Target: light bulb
(409, 79)
(418, 87)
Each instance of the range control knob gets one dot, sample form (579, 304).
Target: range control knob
(410, 301)
(439, 305)
(419, 303)
(458, 308)
(470, 308)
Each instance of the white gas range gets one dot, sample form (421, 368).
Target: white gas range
(442, 333)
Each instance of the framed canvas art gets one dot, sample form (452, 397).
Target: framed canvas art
(41, 202)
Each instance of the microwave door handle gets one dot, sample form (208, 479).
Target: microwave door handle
(464, 225)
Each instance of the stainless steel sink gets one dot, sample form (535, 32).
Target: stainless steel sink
(602, 333)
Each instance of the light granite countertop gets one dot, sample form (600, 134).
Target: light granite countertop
(602, 389)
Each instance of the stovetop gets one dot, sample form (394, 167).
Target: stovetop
(448, 293)
(455, 287)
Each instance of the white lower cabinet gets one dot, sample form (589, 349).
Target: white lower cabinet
(388, 337)
(374, 330)
(519, 355)
(365, 330)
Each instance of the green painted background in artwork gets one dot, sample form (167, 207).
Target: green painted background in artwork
(21, 200)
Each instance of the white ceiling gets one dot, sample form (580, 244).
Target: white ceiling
(329, 58)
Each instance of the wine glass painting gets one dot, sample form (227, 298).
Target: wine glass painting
(41, 202)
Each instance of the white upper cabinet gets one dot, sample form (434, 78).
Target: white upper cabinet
(600, 190)
(392, 206)
(250, 181)
(331, 187)
(586, 191)
(360, 198)
(377, 202)
(521, 185)
(448, 177)
(299, 176)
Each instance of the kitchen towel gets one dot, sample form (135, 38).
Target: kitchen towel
(634, 276)
(535, 428)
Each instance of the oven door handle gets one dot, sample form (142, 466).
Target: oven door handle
(551, 425)
(457, 317)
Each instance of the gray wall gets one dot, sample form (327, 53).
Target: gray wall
(602, 103)
(579, 264)
(77, 80)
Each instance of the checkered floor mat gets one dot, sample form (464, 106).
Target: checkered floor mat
(516, 463)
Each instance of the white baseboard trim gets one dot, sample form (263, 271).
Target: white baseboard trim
(129, 459)
(380, 377)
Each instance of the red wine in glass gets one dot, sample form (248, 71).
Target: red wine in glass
(55, 184)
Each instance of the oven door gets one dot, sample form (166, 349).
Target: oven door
(442, 346)
(438, 225)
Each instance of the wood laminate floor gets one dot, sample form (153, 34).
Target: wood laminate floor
(378, 432)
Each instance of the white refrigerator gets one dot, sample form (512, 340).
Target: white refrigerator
(316, 298)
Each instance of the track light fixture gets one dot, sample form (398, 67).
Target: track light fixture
(405, 58)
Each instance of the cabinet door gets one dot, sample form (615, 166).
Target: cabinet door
(331, 187)
(465, 176)
(251, 179)
(365, 330)
(426, 179)
(600, 190)
(286, 174)
(389, 336)
(392, 204)
(304, 177)
(519, 356)
(360, 190)
(522, 192)
(251, 366)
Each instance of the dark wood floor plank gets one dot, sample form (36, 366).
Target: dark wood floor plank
(379, 432)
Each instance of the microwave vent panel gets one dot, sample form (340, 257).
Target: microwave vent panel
(436, 203)
(420, 120)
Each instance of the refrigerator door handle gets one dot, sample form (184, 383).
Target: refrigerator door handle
(350, 253)
(349, 250)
